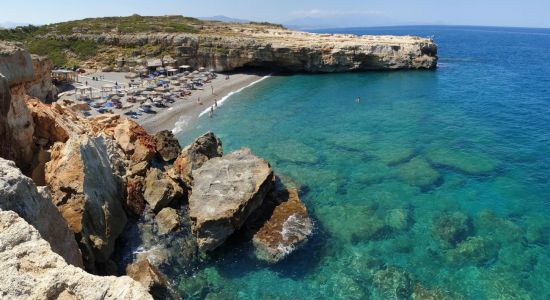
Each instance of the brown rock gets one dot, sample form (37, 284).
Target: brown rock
(195, 155)
(87, 193)
(167, 220)
(160, 190)
(135, 202)
(135, 142)
(226, 191)
(287, 227)
(19, 194)
(150, 277)
(167, 145)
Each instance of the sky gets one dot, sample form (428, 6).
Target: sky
(341, 13)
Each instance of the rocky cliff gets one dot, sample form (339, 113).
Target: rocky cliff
(123, 43)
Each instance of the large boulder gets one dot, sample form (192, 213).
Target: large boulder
(167, 145)
(19, 194)
(286, 228)
(167, 220)
(226, 191)
(31, 270)
(160, 190)
(195, 155)
(150, 277)
(88, 194)
(134, 140)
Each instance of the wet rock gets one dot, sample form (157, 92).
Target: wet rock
(167, 145)
(391, 155)
(18, 193)
(418, 172)
(150, 277)
(474, 250)
(135, 201)
(226, 191)
(452, 228)
(362, 222)
(392, 283)
(294, 151)
(488, 224)
(423, 293)
(196, 154)
(88, 194)
(30, 270)
(287, 228)
(167, 220)
(160, 190)
(350, 140)
(466, 162)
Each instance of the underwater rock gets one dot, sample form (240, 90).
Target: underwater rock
(398, 219)
(286, 229)
(475, 250)
(488, 224)
(362, 222)
(294, 151)
(350, 140)
(167, 145)
(150, 277)
(465, 162)
(18, 193)
(88, 194)
(167, 220)
(422, 293)
(31, 270)
(392, 155)
(392, 283)
(226, 191)
(418, 172)
(196, 154)
(538, 229)
(160, 190)
(373, 171)
(452, 228)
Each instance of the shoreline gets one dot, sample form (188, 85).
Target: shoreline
(183, 114)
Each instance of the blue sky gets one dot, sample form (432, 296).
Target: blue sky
(526, 13)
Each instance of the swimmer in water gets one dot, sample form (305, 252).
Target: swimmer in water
(358, 100)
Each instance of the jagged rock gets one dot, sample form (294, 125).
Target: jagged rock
(150, 277)
(19, 194)
(135, 202)
(287, 227)
(195, 155)
(134, 140)
(160, 190)
(41, 85)
(226, 191)
(31, 270)
(15, 63)
(167, 220)
(167, 145)
(139, 169)
(88, 194)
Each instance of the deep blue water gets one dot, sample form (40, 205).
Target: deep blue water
(438, 181)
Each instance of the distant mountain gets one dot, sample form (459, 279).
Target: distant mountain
(340, 21)
(224, 19)
(12, 24)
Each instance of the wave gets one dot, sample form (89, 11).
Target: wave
(222, 100)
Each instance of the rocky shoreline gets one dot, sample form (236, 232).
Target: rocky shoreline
(99, 195)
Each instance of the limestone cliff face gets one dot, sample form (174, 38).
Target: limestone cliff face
(278, 48)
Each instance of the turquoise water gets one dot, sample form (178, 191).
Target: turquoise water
(436, 182)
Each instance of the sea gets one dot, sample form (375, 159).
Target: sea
(435, 186)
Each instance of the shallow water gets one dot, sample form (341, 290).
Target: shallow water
(437, 182)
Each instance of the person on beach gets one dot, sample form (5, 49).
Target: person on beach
(212, 89)
(211, 113)
(215, 103)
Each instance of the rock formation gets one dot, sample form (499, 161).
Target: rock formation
(286, 228)
(88, 194)
(160, 190)
(150, 277)
(226, 191)
(167, 145)
(18, 193)
(195, 155)
(31, 270)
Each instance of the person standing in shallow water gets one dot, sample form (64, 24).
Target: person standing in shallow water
(211, 113)
(358, 99)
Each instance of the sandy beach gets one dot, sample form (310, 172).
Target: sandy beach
(183, 114)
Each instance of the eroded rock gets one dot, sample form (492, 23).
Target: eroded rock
(167, 145)
(196, 154)
(19, 194)
(226, 191)
(150, 277)
(160, 190)
(287, 228)
(167, 220)
(31, 270)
